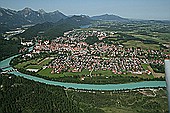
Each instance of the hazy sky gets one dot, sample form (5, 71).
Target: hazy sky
(137, 9)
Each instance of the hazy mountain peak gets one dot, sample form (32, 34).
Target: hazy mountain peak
(109, 17)
(27, 9)
(41, 11)
(56, 12)
(4, 11)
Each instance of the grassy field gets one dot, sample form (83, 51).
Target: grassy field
(21, 65)
(151, 38)
(38, 63)
(84, 72)
(145, 66)
(163, 37)
(47, 72)
(45, 62)
(102, 72)
(34, 67)
(140, 76)
(133, 43)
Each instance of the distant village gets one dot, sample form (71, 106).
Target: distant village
(75, 55)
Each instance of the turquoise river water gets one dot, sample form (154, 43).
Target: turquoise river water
(144, 84)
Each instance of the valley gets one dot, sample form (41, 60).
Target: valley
(56, 63)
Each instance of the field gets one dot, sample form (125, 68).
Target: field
(36, 63)
(45, 62)
(133, 43)
(23, 64)
(47, 72)
(145, 66)
(94, 77)
(102, 72)
(33, 67)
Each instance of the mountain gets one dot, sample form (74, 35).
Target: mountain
(108, 17)
(37, 29)
(32, 16)
(54, 16)
(12, 19)
(58, 28)
(77, 20)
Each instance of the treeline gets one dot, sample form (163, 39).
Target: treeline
(158, 68)
(118, 79)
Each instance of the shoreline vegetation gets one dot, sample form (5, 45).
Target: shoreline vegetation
(100, 79)
(84, 77)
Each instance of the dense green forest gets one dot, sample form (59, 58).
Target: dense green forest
(91, 40)
(8, 48)
(129, 101)
(19, 95)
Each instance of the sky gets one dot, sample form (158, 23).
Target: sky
(134, 9)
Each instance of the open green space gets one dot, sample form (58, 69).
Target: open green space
(37, 62)
(133, 43)
(144, 76)
(33, 67)
(47, 72)
(23, 64)
(83, 72)
(45, 62)
(97, 77)
(158, 39)
(102, 72)
(145, 66)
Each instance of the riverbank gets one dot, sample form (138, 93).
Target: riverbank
(144, 84)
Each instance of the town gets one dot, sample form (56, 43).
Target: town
(75, 54)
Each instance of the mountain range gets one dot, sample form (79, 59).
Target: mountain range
(11, 18)
(51, 23)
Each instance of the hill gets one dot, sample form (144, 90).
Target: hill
(108, 17)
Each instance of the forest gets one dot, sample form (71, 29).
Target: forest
(8, 48)
(19, 95)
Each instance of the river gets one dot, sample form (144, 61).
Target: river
(145, 84)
